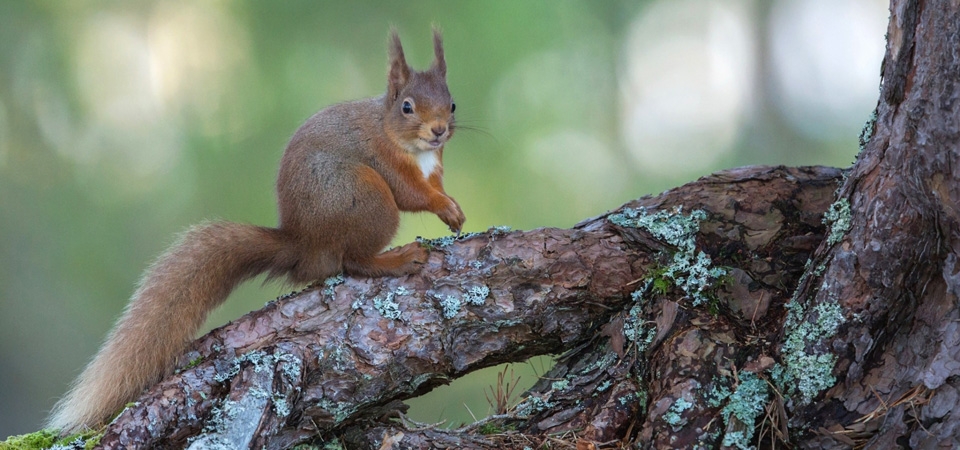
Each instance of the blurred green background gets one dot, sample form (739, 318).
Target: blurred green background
(122, 123)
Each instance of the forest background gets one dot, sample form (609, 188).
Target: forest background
(122, 123)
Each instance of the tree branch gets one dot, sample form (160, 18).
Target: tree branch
(334, 359)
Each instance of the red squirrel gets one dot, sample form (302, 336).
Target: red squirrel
(344, 178)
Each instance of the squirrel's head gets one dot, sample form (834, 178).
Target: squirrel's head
(419, 109)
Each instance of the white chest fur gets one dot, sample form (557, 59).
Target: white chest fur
(428, 162)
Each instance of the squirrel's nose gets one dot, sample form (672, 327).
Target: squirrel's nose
(439, 130)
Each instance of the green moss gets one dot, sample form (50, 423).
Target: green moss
(45, 439)
(38, 440)
(490, 428)
(193, 363)
(92, 442)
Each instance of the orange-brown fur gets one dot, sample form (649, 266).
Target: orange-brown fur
(344, 178)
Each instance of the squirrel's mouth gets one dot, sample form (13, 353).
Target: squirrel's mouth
(432, 143)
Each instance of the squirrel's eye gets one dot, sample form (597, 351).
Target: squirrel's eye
(407, 107)
(453, 107)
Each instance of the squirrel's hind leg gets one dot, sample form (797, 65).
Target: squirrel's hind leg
(313, 267)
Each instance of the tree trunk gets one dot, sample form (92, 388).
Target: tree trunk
(754, 307)
(894, 276)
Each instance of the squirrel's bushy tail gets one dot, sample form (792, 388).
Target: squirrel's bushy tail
(192, 278)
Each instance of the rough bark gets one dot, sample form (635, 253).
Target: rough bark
(810, 335)
(332, 360)
(895, 274)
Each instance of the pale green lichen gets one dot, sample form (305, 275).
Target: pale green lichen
(290, 365)
(716, 396)
(332, 282)
(690, 270)
(219, 415)
(312, 447)
(603, 386)
(534, 404)
(694, 275)
(819, 270)
(476, 295)
(745, 404)
(671, 227)
(450, 305)
(499, 230)
(867, 132)
(635, 329)
(837, 218)
(605, 361)
(642, 398)
(436, 243)
(234, 368)
(335, 444)
(560, 385)
(674, 414)
(281, 406)
(386, 305)
(339, 410)
(737, 438)
(807, 370)
(638, 396)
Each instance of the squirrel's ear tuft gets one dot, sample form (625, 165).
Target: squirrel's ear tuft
(438, 62)
(399, 72)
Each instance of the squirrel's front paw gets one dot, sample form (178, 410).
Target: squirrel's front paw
(452, 215)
